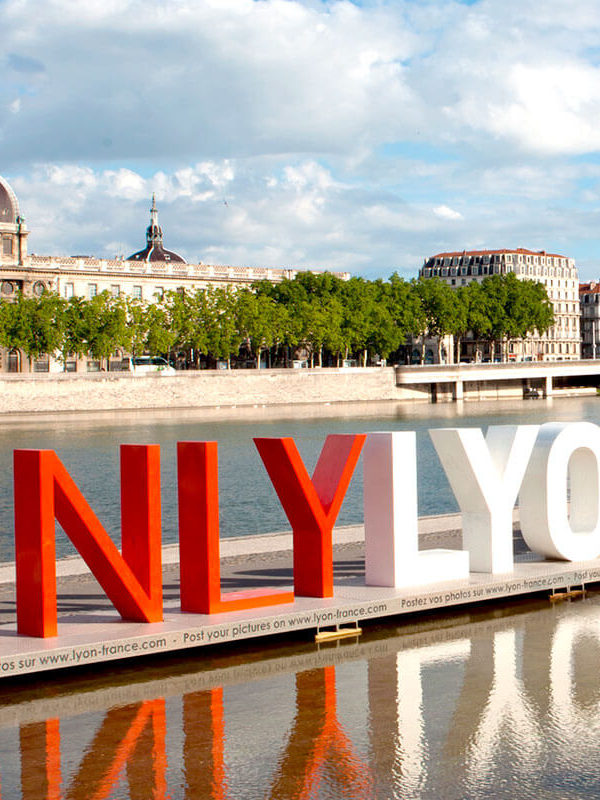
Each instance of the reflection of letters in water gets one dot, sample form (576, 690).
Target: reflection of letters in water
(504, 699)
(131, 742)
(552, 467)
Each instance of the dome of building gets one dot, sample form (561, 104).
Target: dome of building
(9, 205)
(154, 250)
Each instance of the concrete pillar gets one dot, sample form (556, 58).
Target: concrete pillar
(548, 386)
(458, 390)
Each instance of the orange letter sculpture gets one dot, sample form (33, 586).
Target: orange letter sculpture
(200, 569)
(44, 491)
(312, 506)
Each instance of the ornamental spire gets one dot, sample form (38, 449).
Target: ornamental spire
(154, 232)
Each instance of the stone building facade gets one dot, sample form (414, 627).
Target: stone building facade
(589, 303)
(558, 273)
(146, 275)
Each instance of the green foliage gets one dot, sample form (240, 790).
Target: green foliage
(33, 324)
(321, 313)
(104, 325)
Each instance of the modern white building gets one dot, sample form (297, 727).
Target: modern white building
(558, 273)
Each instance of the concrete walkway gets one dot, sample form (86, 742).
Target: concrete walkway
(430, 528)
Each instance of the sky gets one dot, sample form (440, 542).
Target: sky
(325, 134)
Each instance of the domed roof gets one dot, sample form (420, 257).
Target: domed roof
(154, 250)
(9, 205)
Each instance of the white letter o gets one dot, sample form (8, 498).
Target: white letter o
(563, 449)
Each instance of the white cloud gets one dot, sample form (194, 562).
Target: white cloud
(151, 79)
(304, 132)
(447, 213)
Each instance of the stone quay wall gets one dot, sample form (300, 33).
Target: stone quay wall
(24, 393)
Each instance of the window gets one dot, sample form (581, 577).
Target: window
(69, 290)
(137, 292)
(41, 364)
(160, 293)
(7, 245)
(92, 290)
(115, 290)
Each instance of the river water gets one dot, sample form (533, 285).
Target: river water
(498, 701)
(89, 448)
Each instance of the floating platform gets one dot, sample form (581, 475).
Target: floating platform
(96, 634)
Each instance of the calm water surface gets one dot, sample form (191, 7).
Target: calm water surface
(498, 704)
(88, 446)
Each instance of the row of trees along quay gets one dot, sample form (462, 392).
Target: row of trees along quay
(327, 318)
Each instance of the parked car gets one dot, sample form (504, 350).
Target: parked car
(144, 365)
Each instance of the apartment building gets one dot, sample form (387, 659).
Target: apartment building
(589, 303)
(558, 273)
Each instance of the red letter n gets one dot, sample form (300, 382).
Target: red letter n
(312, 506)
(44, 491)
(199, 562)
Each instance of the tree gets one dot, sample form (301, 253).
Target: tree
(223, 336)
(439, 308)
(477, 313)
(515, 308)
(75, 331)
(104, 325)
(159, 335)
(33, 324)
(405, 308)
(258, 323)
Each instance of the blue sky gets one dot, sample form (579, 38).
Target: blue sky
(349, 136)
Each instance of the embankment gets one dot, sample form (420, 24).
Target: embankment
(115, 391)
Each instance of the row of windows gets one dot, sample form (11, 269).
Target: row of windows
(470, 270)
(116, 291)
(497, 258)
(485, 269)
(564, 348)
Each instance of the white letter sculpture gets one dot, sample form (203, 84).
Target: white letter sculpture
(392, 555)
(563, 450)
(485, 476)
